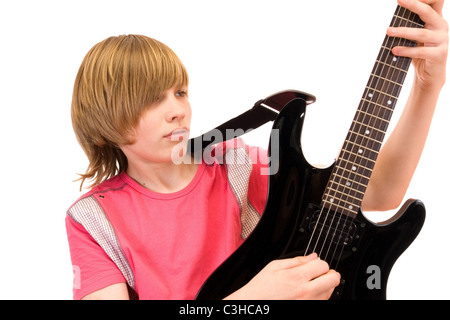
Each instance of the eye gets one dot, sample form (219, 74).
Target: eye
(181, 93)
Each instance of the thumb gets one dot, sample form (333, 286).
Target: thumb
(296, 261)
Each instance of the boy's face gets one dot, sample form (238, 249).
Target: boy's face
(161, 128)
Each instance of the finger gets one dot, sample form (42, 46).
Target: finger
(437, 5)
(425, 11)
(421, 52)
(418, 34)
(293, 262)
(324, 285)
(312, 269)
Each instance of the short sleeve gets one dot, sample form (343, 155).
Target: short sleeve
(93, 269)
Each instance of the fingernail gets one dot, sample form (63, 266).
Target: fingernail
(391, 31)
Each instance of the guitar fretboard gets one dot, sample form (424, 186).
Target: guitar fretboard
(353, 168)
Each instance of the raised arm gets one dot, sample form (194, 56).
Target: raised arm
(400, 154)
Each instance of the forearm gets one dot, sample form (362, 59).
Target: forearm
(401, 153)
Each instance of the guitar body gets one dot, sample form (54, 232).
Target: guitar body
(364, 255)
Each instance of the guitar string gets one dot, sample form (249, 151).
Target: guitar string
(387, 85)
(330, 199)
(368, 129)
(339, 229)
(400, 77)
(329, 210)
(340, 217)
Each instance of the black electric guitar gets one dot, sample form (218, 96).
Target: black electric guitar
(318, 210)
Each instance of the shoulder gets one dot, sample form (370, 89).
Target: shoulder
(87, 202)
(234, 151)
(246, 169)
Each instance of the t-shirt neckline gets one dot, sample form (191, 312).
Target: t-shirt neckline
(165, 196)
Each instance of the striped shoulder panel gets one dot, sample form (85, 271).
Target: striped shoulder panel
(90, 214)
(239, 168)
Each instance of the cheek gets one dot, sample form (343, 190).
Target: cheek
(189, 114)
(147, 126)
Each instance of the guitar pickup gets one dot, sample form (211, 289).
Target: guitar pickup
(334, 226)
(329, 226)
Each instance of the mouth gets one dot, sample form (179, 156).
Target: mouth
(178, 134)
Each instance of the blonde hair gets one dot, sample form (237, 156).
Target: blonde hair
(118, 79)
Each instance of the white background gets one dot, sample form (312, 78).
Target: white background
(236, 53)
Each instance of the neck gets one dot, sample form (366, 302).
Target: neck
(165, 177)
(350, 176)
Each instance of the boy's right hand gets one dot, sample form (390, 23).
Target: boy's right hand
(305, 277)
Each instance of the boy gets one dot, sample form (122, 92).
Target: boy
(153, 229)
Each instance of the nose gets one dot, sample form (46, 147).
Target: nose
(177, 111)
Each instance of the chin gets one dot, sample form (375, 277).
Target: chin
(178, 153)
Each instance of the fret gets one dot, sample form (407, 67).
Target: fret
(375, 117)
(346, 194)
(392, 67)
(382, 63)
(383, 86)
(386, 54)
(356, 168)
(355, 171)
(350, 176)
(407, 22)
(347, 188)
(353, 211)
(372, 126)
(356, 155)
(373, 121)
(387, 57)
(340, 203)
(391, 42)
(359, 185)
(381, 92)
(387, 49)
(346, 204)
(360, 148)
(379, 99)
(365, 136)
(378, 104)
(371, 147)
(361, 124)
(370, 121)
(387, 72)
(384, 79)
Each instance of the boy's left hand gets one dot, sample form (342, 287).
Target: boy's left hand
(430, 55)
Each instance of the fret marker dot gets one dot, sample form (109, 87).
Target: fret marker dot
(370, 95)
(389, 102)
(394, 59)
(331, 200)
(354, 168)
(367, 132)
(350, 207)
(348, 184)
(360, 151)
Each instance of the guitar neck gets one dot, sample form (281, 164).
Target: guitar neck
(353, 168)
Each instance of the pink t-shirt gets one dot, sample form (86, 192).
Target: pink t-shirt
(164, 245)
